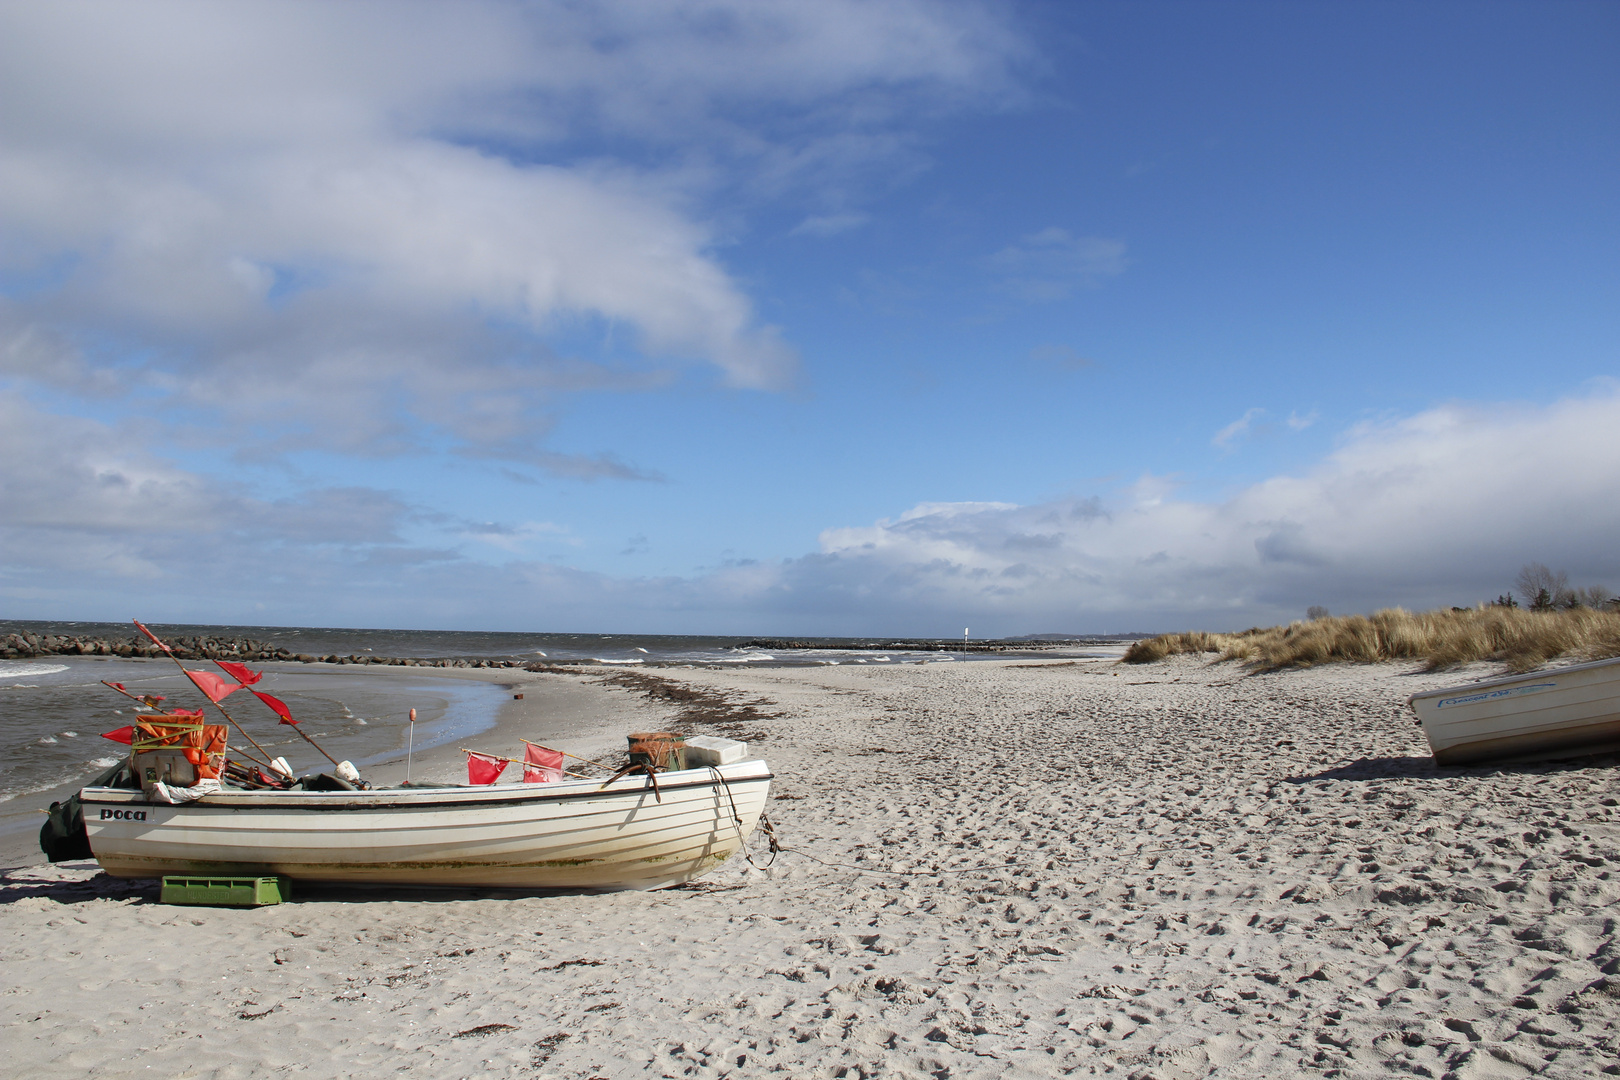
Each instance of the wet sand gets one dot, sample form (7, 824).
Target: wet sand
(997, 869)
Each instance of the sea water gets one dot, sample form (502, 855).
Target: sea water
(54, 710)
(604, 649)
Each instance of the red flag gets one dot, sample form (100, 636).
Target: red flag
(215, 687)
(240, 672)
(541, 766)
(484, 769)
(277, 706)
(151, 635)
(185, 712)
(125, 735)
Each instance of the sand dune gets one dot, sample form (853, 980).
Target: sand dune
(1025, 870)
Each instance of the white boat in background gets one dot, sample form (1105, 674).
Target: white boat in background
(572, 834)
(1560, 712)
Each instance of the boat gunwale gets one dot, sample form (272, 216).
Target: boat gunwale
(1509, 680)
(418, 799)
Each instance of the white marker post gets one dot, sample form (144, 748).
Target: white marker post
(410, 747)
(964, 635)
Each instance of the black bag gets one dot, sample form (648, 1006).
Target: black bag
(63, 836)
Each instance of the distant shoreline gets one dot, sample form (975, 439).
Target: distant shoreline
(27, 640)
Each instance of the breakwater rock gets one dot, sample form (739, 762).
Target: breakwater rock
(25, 645)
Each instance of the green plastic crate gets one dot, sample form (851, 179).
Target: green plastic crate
(226, 891)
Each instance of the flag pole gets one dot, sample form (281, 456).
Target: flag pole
(147, 699)
(290, 721)
(315, 744)
(521, 761)
(170, 654)
(564, 753)
(410, 747)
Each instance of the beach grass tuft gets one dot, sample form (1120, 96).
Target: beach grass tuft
(1443, 638)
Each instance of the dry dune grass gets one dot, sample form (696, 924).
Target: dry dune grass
(1443, 638)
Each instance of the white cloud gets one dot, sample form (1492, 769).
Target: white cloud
(829, 224)
(1223, 438)
(1245, 426)
(85, 503)
(1439, 508)
(1052, 263)
(345, 224)
(1442, 507)
(517, 539)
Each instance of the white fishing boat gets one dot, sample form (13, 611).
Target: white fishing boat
(1561, 712)
(572, 834)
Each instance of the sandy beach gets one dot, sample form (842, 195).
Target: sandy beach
(998, 868)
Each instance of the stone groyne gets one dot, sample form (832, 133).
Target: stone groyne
(26, 646)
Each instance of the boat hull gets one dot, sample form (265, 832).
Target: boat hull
(1563, 712)
(571, 835)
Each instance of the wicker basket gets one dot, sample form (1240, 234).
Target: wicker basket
(664, 750)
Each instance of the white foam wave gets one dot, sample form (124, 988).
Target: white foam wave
(46, 740)
(68, 734)
(635, 660)
(12, 670)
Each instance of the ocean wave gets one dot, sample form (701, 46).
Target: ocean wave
(635, 660)
(12, 670)
(59, 778)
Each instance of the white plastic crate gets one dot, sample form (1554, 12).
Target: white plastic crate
(706, 750)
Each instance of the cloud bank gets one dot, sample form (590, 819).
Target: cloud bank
(365, 227)
(1438, 508)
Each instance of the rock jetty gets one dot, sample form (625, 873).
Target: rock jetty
(27, 645)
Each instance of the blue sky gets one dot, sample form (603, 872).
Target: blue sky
(830, 317)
